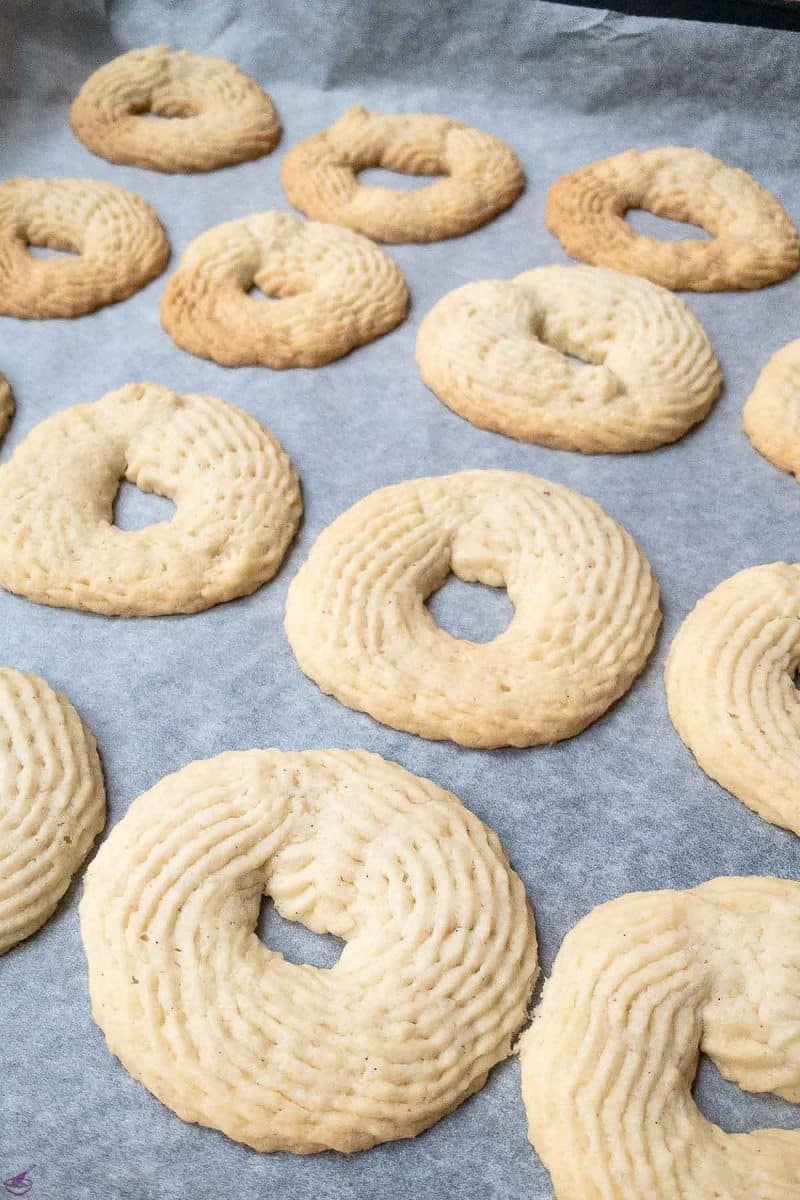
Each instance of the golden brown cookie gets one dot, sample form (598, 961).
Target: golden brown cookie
(6, 404)
(730, 678)
(483, 175)
(213, 114)
(639, 988)
(586, 609)
(236, 493)
(427, 996)
(116, 242)
(52, 801)
(496, 353)
(334, 291)
(753, 242)
(772, 413)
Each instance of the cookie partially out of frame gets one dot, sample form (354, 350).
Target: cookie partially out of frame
(6, 404)
(483, 175)
(771, 415)
(753, 241)
(428, 995)
(236, 493)
(212, 114)
(333, 289)
(586, 609)
(52, 801)
(115, 240)
(731, 688)
(496, 353)
(639, 989)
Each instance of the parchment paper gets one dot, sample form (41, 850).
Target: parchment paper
(621, 807)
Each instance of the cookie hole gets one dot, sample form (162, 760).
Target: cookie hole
(51, 251)
(166, 110)
(663, 228)
(473, 612)
(135, 509)
(399, 181)
(735, 1110)
(297, 944)
(255, 293)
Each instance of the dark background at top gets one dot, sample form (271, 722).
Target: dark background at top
(775, 14)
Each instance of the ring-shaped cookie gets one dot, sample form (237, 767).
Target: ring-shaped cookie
(6, 404)
(236, 494)
(495, 352)
(639, 988)
(214, 115)
(483, 176)
(52, 802)
(426, 998)
(586, 609)
(771, 416)
(730, 679)
(753, 241)
(334, 291)
(115, 240)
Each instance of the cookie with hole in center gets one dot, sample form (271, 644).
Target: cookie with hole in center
(640, 987)
(236, 493)
(211, 114)
(498, 354)
(585, 600)
(482, 175)
(753, 242)
(113, 240)
(427, 996)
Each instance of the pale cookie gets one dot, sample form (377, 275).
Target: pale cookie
(753, 242)
(483, 175)
(52, 801)
(214, 115)
(427, 996)
(236, 492)
(334, 289)
(586, 609)
(495, 353)
(639, 988)
(116, 242)
(771, 415)
(6, 404)
(731, 688)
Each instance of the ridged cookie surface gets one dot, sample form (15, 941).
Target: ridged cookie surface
(753, 242)
(116, 242)
(213, 114)
(236, 494)
(52, 801)
(483, 175)
(772, 412)
(333, 290)
(495, 352)
(639, 988)
(731, 688)
(586, 609)
(427, 996)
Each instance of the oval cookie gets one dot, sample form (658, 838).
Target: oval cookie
(333, 291)
(496, 353)
(586, 609)
(115, 240)
(731, 688)
(483, 175)
(213, 114)
(639, 988)
(236, 493)
(753, 242)
(772, 413)
(52, 801)
(427, 996)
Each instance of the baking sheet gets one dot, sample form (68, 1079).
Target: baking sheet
(623, 806)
